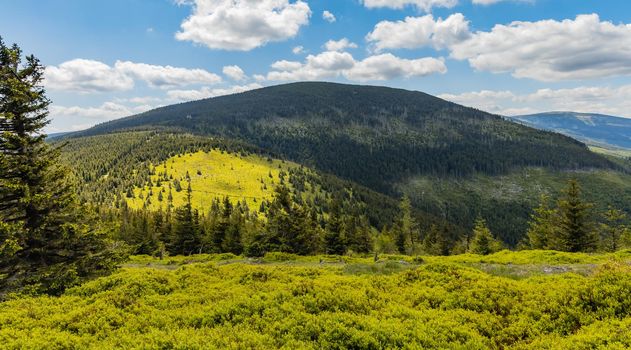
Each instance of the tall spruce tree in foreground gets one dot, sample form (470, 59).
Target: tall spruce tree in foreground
(46, 243)
(576, 232)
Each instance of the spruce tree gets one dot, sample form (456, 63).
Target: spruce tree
(576, 229)
(187, 237)
(613, 230)
(47, 243)
(405, 228)
(482, 240)
(543, 227)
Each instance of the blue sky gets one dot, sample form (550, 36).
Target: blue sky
(109, 59)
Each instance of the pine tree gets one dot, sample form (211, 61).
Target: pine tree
(613, 230)
(576, 229)
(405, 228)
(543, 227)
(187, 236)
(46, 241)
(435, 242)
(482, 241)
(335, 237)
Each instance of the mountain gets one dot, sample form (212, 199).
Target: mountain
(375, 136)
(455, 163)
(596, 129)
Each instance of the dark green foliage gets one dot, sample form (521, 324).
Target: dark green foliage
(613, 230)
(543, 229)
(357, 131)
(482, 241)
(186, 234)
(405, 228)
(46, 242)
(576, 231)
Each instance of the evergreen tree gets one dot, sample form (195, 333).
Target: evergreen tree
(187, 235)
(435, 242)
(543, 227)
(334, 237)
(405, 228)
(576, 229)
(613, 230)
(482, 241)
(46, 242)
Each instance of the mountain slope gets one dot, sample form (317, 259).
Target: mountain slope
(375, 136)
(597, 129)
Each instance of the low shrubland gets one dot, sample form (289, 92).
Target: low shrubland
(331, 302)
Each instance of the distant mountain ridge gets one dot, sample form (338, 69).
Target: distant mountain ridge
(592, 128)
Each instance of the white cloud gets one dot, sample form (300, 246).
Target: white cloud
(243, 24)
(285, 65)
(333, 64)
(86, 76)
(234, 73)
(388, 66)
(298, 50)
(104, 112)
(551, 50)
(425, 5)
(166, 76)
(328, 16)
(414, 32)
(586, 99)
(339, 45)
(206, 92)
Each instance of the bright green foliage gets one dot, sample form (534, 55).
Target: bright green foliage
(482, 241)
(45, 243)
(576, 231)
(320, 302)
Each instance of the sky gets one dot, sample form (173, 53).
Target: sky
(110, 59)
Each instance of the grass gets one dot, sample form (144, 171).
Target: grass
(213, 174)
(283, 301)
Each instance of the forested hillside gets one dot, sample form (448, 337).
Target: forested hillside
(375, 136)
(392, 141)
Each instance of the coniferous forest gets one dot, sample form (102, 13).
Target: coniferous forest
(306, 215)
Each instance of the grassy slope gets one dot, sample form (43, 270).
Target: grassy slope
(333, 302)
(222, 174)
(505, 200)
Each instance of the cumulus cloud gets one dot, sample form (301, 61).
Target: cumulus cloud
(586, 99)
(424, 5)
(333, 64)
(166, 76)
(415, 32)
(234, 72)
(207, 92)
(243, 24)
(388, 66)
(339, 45)
(551, 50)
(86, 76)
(89, 76)
(328, 16)
(298, 50)
(104, 112)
